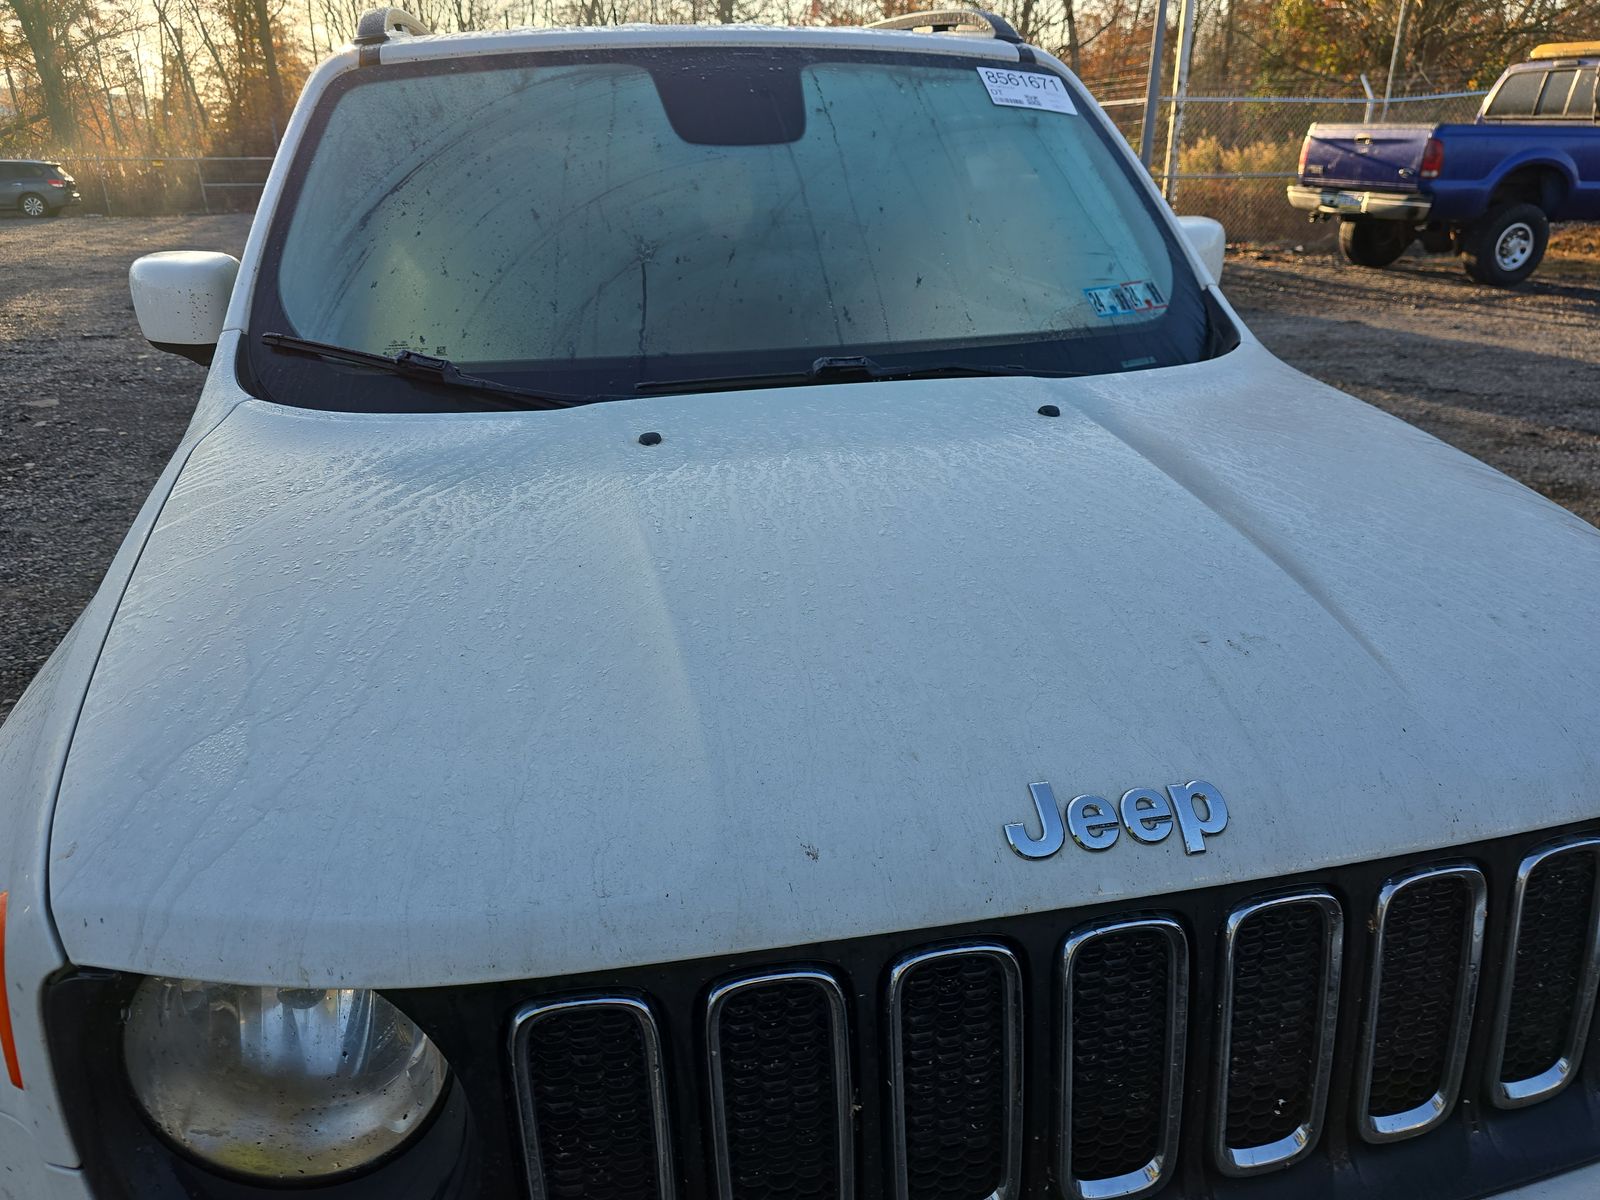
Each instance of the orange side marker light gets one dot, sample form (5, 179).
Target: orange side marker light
(8, 1042)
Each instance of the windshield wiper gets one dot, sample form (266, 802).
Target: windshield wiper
(423, 367)
(842, 369)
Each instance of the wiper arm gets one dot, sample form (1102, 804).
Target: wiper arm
(425, 367)
(842, 369)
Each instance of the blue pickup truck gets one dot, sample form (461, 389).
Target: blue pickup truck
(1486, 191)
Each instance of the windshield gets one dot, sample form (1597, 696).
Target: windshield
(603, 223)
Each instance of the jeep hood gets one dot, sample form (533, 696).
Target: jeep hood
(415, 699)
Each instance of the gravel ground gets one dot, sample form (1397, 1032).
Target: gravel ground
(1512, 377)
(89, 414)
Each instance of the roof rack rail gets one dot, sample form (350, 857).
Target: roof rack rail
(943, 20)
(378, 24)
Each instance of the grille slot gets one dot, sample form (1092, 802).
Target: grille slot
(780, 1088)
(1121, 1084)
(592, 1102)
(1426, 955)
(1547, 995)
(955, 1073)
(1279, 999)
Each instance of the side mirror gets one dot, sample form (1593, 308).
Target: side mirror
(181, 299)
(1209, 242)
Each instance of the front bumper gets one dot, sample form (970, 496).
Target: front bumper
(61, 1183)
(1384, 206)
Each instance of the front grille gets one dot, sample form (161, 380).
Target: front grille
(1554, 947)
(1127, 985)
(593, 1111)
(780, 1088)
(1427, 952)
(1280, 996)
(955, 1025)
(1172, 1048)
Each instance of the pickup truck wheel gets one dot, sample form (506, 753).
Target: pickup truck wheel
(1506, 246)
(1373, 243)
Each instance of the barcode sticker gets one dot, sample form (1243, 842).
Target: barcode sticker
(1026, 89)
(1126, 299)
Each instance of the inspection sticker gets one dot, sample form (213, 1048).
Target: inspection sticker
(1126, 299)
(1026, 89)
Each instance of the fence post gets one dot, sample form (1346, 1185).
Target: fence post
(1366, 86)
(200, 174)
(1152, 89)
(1394, 57)
(1180, 91)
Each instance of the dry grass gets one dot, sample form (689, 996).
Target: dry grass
(1576, 244)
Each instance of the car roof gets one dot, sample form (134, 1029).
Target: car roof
(405, 48)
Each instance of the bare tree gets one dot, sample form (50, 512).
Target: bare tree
(220, 75)
(261, 26)
(46, 34)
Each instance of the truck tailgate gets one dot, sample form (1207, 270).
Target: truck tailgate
(1372, 157)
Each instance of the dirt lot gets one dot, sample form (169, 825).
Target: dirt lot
(1512, 377)
(89, 413)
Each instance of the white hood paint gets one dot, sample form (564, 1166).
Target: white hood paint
(411, 700)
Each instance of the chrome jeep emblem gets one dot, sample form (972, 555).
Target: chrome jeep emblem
(1148, 816)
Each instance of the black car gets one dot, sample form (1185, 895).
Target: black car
(35, 189)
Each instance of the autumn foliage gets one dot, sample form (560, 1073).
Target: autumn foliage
(218, 77)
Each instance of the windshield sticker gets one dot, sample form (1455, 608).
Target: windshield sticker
(1126, 299)
(419, 345)
(1026, 89)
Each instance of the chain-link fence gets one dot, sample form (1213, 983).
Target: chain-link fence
(1236, 154)
(125, 187)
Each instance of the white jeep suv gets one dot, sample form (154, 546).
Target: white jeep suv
(740, 618)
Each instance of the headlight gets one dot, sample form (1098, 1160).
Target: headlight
(282, 1083)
